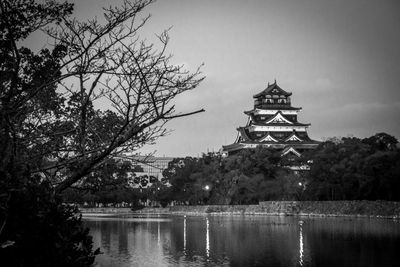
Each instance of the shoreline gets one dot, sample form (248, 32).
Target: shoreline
(309, 215)
(350, 209)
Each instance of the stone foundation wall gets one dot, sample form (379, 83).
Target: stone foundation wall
(306, 208)
(105, 210)
(375, 208)
(234, 209)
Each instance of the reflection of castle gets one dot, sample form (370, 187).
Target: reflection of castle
(273, 124)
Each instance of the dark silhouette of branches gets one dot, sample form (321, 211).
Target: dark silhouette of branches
(97, 90)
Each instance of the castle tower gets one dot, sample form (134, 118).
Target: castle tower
(273, 124)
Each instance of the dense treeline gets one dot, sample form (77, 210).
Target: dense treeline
(355, 169)
(244, 178)
(114, 183)
(339, 169)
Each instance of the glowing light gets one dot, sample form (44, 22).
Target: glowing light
(207, 187)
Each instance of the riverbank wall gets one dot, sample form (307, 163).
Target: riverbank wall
(384, 209)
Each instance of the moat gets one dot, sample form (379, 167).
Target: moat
(165, 240)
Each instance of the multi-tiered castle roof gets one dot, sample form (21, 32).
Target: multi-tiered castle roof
(273, 124)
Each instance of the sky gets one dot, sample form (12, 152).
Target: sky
(340, 59)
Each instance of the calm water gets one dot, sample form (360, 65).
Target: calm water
(245, 241)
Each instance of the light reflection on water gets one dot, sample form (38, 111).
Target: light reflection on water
(184, 235)
(162, 240)
(301, 245)
(207, 238)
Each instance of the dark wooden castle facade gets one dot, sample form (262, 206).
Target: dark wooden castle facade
(273, 123)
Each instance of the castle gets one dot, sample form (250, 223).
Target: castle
(272, 123)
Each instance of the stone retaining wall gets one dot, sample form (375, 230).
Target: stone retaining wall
(375, 208)
(105, 210)
(306, 208)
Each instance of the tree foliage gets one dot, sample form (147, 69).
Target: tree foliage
(244, 178)
(94, 90)
(340, 169)
(355, 169)
(110, 182)
(38, 230)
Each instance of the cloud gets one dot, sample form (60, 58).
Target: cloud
(324, 83)
(370, 107)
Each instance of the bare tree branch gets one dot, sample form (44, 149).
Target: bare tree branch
(106, 91)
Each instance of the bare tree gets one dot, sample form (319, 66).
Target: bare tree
(109, 91)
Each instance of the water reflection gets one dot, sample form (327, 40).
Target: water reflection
(184, 235)
(245, 241)
(158, 234)
(207, 238)
(301, 247)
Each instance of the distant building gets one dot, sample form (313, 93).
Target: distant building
(273, 124)
(147, 169)
(152, 166)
